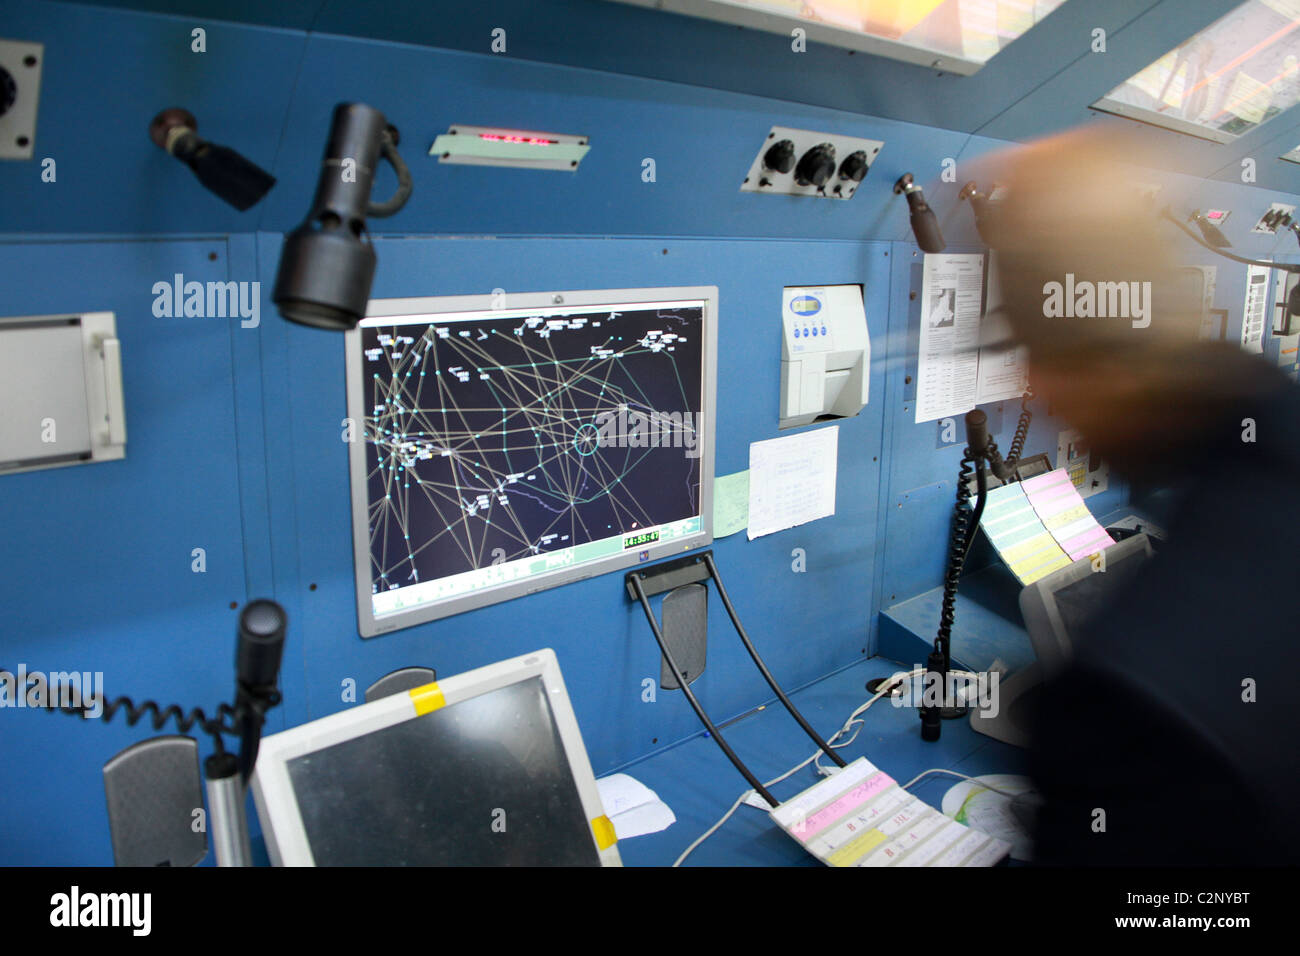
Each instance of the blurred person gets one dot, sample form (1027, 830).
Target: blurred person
(1170, 739)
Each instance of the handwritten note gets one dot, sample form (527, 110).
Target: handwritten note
(792, 480)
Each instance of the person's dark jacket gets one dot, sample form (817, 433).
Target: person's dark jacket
(1178, 718)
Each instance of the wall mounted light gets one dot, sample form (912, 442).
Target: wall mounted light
(222, 170)
(981, 204)
(328, 262)
(925, 225)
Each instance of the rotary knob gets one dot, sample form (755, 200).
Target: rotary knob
(780, 157)
(8, 91)
(816, 167)
(854, 167)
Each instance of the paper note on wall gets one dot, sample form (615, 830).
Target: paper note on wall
(730, 503)
(1003, 365)
(952, 290)
(792, 480)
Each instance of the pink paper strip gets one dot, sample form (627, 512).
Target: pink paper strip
(845, 805)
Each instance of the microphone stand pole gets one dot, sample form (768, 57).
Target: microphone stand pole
(262, 626)
(936, 704)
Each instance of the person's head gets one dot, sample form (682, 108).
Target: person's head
(1091, 285)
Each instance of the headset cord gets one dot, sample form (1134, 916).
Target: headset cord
(1022, 428)
(226, 720)
(958, 544)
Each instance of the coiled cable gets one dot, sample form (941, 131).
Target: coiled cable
(225, 720)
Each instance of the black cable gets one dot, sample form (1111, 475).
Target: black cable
(957, 545)
(758, 662)
(981, 497)
(690, 696)
(223, 723)
(214, 727)
(939, 660)
(1022, 428)
(965, 524)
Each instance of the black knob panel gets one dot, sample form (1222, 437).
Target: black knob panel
(816, 167)
(8, 91)
(780, 156)
(854, 167)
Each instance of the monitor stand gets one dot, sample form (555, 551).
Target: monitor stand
(1017, 701)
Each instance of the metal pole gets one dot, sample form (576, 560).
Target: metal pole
(227, 822)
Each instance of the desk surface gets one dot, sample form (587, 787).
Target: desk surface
(697, 781)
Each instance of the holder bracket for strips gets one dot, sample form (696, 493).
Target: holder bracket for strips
(668, 576)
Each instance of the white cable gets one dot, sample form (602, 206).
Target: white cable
(954, 773)
(735, 806)
(886, 687)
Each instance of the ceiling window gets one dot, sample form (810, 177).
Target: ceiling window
(1233, 76)
(958, 36)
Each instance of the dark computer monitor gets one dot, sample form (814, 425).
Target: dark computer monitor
(483, 769)
(1057, 607)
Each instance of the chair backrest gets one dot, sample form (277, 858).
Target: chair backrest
(407, 678)
(153, 790)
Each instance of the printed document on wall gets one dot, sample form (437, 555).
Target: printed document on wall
(1003, 365)
(792, 480)
(1255, 310)
(948, 366)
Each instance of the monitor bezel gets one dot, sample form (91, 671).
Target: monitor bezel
(371, 625)
(273, 792)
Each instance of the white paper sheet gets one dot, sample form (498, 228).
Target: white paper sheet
(1254, 311)
(639, 821)
(792, 480)
(1003, 370)
(633, 808)
(948, 365)
(1003, 366)
(620, 792)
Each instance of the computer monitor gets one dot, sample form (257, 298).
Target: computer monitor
(485, 768)
(510, 443)
(1058, 606)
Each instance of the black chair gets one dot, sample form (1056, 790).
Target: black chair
(407, 678)
(153, 790)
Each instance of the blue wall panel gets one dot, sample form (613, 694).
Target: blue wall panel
(105, 76)
(806, 623)
(97, 573)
